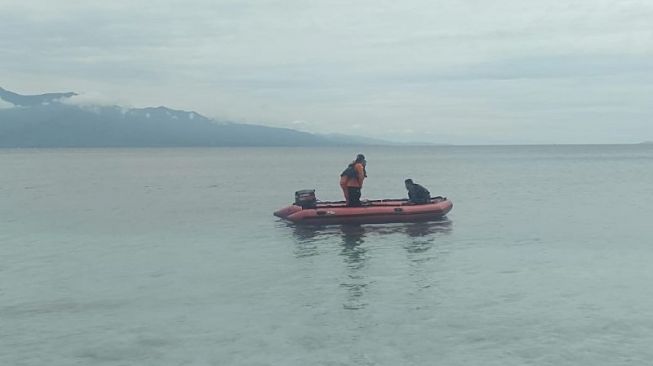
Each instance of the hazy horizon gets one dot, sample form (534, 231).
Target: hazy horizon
(459, 73)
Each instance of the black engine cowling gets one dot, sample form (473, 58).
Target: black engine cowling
(306, 198)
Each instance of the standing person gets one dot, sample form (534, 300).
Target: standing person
(351, 181)
(416, 193)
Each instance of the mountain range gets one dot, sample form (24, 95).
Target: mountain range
(59, 120)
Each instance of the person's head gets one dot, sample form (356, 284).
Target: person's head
(408, 183)
(360, 158)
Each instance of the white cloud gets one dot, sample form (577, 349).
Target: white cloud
(92, 99)
(5, 105)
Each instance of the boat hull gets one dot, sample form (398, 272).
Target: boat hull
(373, 212)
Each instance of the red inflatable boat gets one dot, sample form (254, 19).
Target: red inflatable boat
(372, 212)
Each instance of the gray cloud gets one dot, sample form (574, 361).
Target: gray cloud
(451, 71)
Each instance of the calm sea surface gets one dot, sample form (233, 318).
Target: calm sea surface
(172, 257)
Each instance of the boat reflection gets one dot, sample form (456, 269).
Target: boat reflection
(356, 242)
(355, 258)
(355, 234)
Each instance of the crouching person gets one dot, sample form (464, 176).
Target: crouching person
(416, 193)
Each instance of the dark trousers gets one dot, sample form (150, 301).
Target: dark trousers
(354, 196)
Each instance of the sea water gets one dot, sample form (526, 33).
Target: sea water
(172, 257)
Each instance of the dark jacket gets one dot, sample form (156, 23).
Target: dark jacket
(418, 194)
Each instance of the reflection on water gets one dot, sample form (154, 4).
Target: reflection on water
(352, 235)
(355, 234)
(307, 241)
(421, 234)
(422, 229)
(354, 255)
(355, 249)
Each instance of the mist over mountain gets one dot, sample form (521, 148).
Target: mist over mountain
(32, 100)
(61, 120)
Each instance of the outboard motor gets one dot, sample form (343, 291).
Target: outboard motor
(306, 198)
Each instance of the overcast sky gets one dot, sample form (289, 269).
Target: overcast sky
(448, 71)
